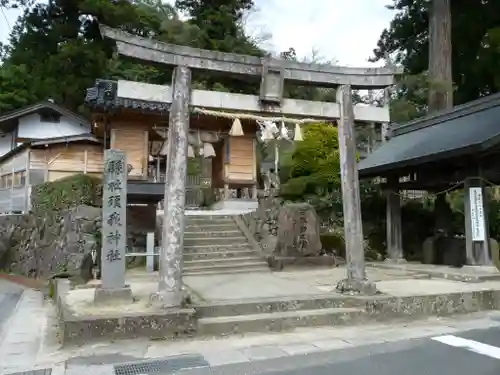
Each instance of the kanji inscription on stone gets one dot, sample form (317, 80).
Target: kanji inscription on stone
(114, 226)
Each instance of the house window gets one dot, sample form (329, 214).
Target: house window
(19, 178)
(50, 117)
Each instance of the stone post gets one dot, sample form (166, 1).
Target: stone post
(476, 223)
(170, 265)
(150, 251)
(393, 224)
(355, 256)
(114, 229)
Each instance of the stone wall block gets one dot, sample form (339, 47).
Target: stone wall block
(59, 242)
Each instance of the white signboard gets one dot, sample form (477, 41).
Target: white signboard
(477, 214)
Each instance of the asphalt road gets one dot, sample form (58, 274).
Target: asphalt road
(472, 352)
(9, 296)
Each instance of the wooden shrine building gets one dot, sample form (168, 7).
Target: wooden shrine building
(455, 149)
(133, 117)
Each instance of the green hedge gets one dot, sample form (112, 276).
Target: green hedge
(67, 192)
(333, 242)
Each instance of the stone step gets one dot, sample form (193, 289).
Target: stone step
(248, 265)
(208, 227)
(279, 321)
(235, 262)
(219, 254)
(226, 272)
(276, 305)
(200, 220)
(207, 241)
(190, 233)
(193, 249)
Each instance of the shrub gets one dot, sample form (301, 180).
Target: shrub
(67, 192)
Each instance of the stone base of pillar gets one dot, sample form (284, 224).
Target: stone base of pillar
(102, 295)
(169, 299)
(395, 261)
(363, 287)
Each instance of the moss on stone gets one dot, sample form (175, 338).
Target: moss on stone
(65, 193)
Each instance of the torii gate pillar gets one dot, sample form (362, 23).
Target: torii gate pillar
(353, 228)
(170, 265)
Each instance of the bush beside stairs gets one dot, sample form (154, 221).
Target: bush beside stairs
(216, 245)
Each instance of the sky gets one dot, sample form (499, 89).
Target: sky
(345, 31)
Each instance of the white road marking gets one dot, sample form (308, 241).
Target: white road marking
(59, 368)
(471, 345)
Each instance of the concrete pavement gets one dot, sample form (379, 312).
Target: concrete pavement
(30, 342)
(8, 302)
(463, 353)
(9, 296)
(22, 334)
(308, 349)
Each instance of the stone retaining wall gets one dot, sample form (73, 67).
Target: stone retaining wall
(40, 246)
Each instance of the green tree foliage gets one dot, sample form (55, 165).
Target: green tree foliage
(221, 29)
(475, 40)
(315, 163)
(59, 45)
(307, 92)
(409, 98)
(55, 49)
(220, 22)
(15, 90)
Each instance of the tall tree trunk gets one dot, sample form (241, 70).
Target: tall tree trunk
(441, 86)
(440, 75)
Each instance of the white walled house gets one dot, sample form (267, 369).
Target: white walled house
(40, 121)
(28, 132)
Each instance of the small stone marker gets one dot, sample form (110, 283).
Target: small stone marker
(495, 253)
(114, 229)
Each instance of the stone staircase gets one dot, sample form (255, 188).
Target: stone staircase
(279, 314)
(216, 245)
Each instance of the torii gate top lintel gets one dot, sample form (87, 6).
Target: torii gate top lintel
(324, 75)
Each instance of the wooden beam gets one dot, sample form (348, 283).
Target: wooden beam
(27, 181)
(54, 159)
(393, 222)
(85, 161)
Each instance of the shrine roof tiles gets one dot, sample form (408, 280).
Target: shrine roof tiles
(103, 95)
(465, 130)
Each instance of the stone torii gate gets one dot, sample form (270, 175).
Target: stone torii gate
(272, 74)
